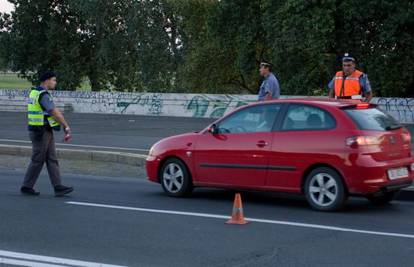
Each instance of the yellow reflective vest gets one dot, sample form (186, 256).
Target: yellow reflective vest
(36, 115)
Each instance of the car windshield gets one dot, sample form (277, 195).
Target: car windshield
(373, 119)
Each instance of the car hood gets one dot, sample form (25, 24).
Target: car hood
(172, 143)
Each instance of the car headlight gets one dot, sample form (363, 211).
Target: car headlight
(151, 151)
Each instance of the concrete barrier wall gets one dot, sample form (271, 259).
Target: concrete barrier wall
(183, 105)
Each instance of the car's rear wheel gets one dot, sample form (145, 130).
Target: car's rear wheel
(175, 178)
(325, 190)
(383, 199)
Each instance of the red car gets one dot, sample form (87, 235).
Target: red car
(324, 149)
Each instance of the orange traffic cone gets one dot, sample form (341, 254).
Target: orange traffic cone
(237, 216)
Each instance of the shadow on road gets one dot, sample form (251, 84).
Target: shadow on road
(292, 202)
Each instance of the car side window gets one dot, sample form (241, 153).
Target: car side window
(305, 117)
(254, 119)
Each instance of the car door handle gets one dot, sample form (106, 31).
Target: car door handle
(261, 143)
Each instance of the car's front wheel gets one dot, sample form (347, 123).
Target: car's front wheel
(325, 190)
(175, 178)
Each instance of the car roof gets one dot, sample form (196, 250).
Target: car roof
(324, 101)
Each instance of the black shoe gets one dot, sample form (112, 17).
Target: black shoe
(29, 191)
(61, 190)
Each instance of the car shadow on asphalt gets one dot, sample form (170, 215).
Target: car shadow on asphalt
(354, 205)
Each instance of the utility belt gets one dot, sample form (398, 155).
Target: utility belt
(45, 127)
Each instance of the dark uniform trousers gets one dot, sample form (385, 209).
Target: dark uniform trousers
(44, 151)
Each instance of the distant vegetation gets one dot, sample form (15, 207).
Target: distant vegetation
(209, 45)
(12, 81)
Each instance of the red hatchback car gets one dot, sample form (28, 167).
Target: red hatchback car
(324, 149)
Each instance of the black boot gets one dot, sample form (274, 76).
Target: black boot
(61, 190)
(29, 191)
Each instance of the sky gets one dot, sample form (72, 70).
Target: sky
(5, 6)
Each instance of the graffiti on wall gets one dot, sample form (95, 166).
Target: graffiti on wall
(184, 105)
(401, 109)
(12, 94)
(153, 102)
(96, 102)
(210, 106)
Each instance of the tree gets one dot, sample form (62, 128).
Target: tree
(223, 43)
(300, 35)
(43, 37)
(308, 40)
(202, 64)
(382, 38)
(211, 46)
(5, 24)
(120, 45)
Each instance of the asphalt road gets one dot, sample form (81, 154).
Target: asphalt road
(125, 234)
(128, 133)
(124, 131)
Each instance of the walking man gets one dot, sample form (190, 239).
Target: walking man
(269, 89)
(350, 83)
(43, 119)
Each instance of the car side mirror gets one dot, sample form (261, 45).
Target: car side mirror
(213, 129)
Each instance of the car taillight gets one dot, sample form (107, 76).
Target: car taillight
(356, 141)
(406, 137)
(362, 106)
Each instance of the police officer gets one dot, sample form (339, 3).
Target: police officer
(350, 83)
(43, 119)
(269, 89)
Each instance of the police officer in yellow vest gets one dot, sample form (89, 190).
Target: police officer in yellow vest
(350, 83)
(43, 119)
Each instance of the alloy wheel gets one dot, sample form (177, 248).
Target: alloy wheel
(323, 189)
(173, 177)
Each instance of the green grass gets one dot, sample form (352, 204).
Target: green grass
(12, 81)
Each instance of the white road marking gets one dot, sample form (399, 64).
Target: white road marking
(74, 145)
(217, 216)
(15, 262)
(24, 259)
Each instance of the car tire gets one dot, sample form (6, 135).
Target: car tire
(175, 178)
(384, 199)
(325, 190)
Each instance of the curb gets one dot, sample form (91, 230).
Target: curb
(81, 154)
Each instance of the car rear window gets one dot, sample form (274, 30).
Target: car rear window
(373, 119)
